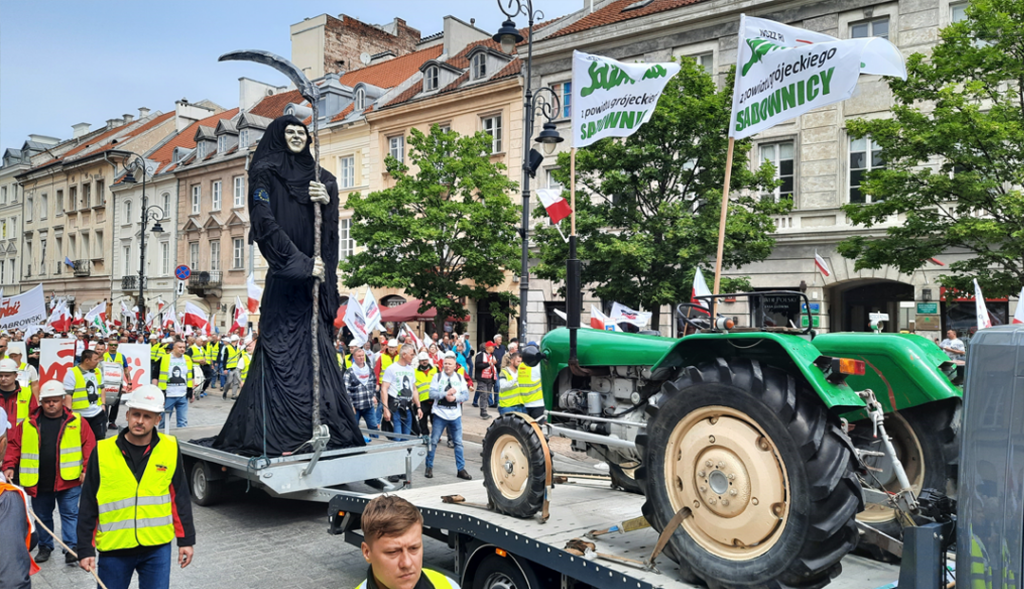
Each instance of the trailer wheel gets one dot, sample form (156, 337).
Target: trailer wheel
(926, 442)
(205, 491)
(514, 467)
(497, 572)
(764, 471)
(625, 478)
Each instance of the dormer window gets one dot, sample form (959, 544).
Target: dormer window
(243, 139)
(222, 144)
(430, 78)
(479, 66)
(201, 149)
(360, 99)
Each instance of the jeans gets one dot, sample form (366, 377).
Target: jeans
(66, 502)
(369, 415)
(234, 382)
(172, 404)
(154, 567)
(514, 408)
(535, 412)
(402, 420)
(485, 390)
(455, 431)
(207, 376)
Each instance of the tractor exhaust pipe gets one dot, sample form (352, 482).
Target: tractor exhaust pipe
(573, 304)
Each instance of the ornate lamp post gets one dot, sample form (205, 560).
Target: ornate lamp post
(149, 213)
(545, 102)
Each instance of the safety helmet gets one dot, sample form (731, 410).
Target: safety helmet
(147, 397)
(52, 388)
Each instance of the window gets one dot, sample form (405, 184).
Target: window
(127, 212)
(492, 126)
(44, 206)
(552, 183)
(197, 194)
(193, 255)
(243, 139)
(201, 149)
(72, 247)
(28, 255)
(865, 155)
(101, 193)
(126, 262)
(3, 228)
(99, 245)
(430, 78)
(60, 203)
(705, 60)
(72, 197)
(222, 144)
(60, 256)
(396, 147)
(3, 274)
(347, 171)
(360, 99)
(85, 246)
(479, 66)
(29, 206)
(165, 258)
(165, 204)
(347, 245)
(564, 92)
(86, 195)
(237, 253)
(781, 156)
(872, 28)
(958, 12)
(239, 192)
(215, 255)
(215, 196)
(42, 256)
(3, 195)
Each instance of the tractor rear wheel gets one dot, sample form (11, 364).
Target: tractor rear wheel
(763, 470)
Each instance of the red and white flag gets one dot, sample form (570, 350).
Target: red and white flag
(980, 309)
(60, 319)
(599, 320)
(195, 317)
(1018, 315)
(700, 289)
(623, 314)
(170, 321)
(417, 342)
(371, 312)
(822, 266)
(255, 293)
(241, 318)
(556, 206)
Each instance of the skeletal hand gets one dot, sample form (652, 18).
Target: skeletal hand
(318, 268)
(318, 193)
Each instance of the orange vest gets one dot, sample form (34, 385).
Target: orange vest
(34, 568)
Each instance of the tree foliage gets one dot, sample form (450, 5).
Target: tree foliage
(954, 156)
(444, 233)
(648, 206)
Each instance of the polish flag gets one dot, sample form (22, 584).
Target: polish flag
(980, 309)
(822, 266)
(170, 321)
(700, 289)
(60, 320)
(556, 206)
(416, 342)
(241, 318)
(936, 261)
(255, 293)
(599, 320)
(195, 317)
(1018, 316)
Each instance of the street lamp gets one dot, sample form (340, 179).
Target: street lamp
(544, 102)
(149, 213)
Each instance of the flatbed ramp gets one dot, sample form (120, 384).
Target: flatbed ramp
(576, 508)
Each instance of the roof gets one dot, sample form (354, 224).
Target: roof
(344, 112)
(272, 107)
(186, 139)
(393, 71)
(618, 11)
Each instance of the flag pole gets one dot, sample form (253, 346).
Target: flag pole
(573, 297)
(721, 226)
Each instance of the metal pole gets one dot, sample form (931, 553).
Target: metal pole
(142, 251)
(524, 280)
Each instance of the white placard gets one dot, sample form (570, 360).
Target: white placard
(21, 311)
(56, 357)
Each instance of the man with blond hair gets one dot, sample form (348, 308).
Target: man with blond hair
(393, 547)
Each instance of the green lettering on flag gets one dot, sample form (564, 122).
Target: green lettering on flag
(788, 94)
(826, 80)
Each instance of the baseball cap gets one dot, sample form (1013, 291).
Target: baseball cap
(52, 389)
(423, 356)
(489, 345)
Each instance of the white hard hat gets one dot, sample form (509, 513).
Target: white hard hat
(52, 388)
(147, 397)
(8, 365)
(353, 344)
(392, 343)
(234, 338)
(167, 340)
(423, 356)
(450, 354)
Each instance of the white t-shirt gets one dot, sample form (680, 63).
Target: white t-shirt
(439, 386)
(955, 344)
(401, 379)
(177, 377)
(93, 389)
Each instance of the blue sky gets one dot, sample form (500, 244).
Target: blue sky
(71, 61)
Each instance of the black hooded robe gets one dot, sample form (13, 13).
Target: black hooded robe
(273, 413)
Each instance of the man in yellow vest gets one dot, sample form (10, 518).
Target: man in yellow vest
(135, 500)
(84, 387)
(509, 399)
(15, 398)
(530, 389)
(112, 355)
(175, 380)
(424, 374)
(26, 372)
(231, 353)
(393, 547)
(16, 564)
(207, 365)
(387, 357)
(48, 448)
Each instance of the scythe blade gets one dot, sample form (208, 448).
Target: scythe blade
(309, 90)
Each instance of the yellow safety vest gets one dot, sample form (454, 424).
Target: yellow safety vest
(348, 361)
(438, 580)
(341, 361)
(198, 355)
(980, 572)
(512, 396)
(24, 400)
(385, 361)
(117, 358)
(529, 389)
(1009, 578)
(247, 360)
(69, 442)
(165, 369)
(423, 382)
(212, 352)
(80, 398)
(135, 512)
(234, 353)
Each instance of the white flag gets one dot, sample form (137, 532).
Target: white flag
(980, 309)
(355, 320)
(1018, 316)
(371, 311)
(623, 314)
(700, 289)
(783, 72)
(611, 98)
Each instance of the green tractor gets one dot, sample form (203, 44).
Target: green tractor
(754, 441)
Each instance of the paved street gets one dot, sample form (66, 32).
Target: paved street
(254, 541)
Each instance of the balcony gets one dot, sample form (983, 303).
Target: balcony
(203, 282)
(131, 283)
(83, 267)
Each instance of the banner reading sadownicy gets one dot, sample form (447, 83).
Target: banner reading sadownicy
(56, 357)
(19, 311)
(783, 72)
(611, 98)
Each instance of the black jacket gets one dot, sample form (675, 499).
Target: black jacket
(88, 510)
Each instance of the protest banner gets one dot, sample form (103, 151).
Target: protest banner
(23, 310)
(56, 357)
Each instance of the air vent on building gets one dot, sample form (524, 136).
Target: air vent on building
(636, 5)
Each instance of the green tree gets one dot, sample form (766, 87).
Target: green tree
(954, 157)
(647, 207)
(445, 233)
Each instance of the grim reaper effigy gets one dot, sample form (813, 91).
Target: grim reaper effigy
(294, 393)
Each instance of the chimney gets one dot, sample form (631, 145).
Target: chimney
(143, 112)
(111, 123)
(80, 129)
(127, 118)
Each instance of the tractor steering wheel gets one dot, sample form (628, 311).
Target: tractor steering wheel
(700, 322)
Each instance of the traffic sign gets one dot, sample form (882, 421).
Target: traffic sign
(182, 272)
(180, 287)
